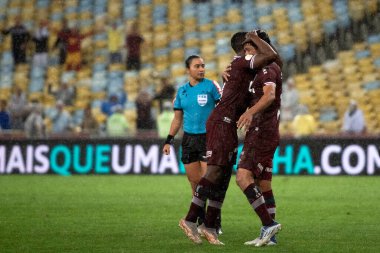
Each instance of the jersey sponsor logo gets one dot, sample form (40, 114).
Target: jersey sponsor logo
(227, 120)
(268, 169)
(202, 99)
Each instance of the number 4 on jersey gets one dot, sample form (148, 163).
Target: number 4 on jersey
(251, 89)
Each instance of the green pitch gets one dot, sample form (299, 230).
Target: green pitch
(141, 213)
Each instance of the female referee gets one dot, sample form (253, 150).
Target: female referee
(192, 105)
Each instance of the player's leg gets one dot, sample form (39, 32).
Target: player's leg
(206, 189)
(266, 188)
(244, 179)
(193, 173)
(226, 177)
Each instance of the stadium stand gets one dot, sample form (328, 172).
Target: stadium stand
(333, 57)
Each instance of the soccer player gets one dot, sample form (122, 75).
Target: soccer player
(193, 104)
(254, 173)
(222, 140)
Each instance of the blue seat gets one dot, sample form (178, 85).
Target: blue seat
(176, 44)
(375, 38)
(376, 62)
(373, 85)
(362, 54)
(288, 52)
(328, 114)
(330, 27)
(36, 84)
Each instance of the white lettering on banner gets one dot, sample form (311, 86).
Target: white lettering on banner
(41, 155)
(29, 159)
(2, 159)
(151, 158)
(15, 161)
(325, 159)
(346, 163)
(169, 162)
(116, 166)
(373, 158)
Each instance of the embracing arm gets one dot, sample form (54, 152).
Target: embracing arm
(265, 53)
(265, 101)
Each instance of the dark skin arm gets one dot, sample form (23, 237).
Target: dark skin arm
(265, 53)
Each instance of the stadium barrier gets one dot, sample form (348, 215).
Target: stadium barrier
(312, 156)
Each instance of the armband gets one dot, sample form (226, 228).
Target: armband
(169, 139)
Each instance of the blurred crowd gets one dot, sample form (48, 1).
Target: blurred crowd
(152, 106)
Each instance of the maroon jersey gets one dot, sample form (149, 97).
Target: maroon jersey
(235, 95)
(222, 139)
(262, 138)
(267, 120)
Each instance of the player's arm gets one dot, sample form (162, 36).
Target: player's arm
(174, 128)
(265, 53)
(265, 101)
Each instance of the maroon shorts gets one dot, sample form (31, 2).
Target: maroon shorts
(257, 154)
(222, 142)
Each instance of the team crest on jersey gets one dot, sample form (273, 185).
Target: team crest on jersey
(202, 99)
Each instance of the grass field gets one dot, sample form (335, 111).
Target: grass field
(141, 213)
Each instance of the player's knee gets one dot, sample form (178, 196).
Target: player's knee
(214, 174)
(202, 192)
(239, 178)
(265, 185)
(243, 178)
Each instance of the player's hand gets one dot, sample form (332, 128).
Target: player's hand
(166, 149)
(226, 72)
(251, 34)
(244, 121)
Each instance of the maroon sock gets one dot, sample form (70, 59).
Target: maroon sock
(270, 203)
(257, 201)
(213, 212)
(200, 196)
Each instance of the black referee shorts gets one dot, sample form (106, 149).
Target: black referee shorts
(193, 148)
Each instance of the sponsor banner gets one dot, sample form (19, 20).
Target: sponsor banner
(292, 157)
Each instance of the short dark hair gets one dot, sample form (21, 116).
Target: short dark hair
(190, 59)
(237, 41)
(263, 35)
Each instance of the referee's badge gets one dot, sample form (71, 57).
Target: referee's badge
(202, 99)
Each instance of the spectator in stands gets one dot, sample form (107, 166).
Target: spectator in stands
(41, 38)
(289, 101)
(5, 118)
(353, 121)
(164, 119)
(304, 123)
(74, 52)
(166, 93)
(89, 123)
(117, 124)
(34, 124)
(65, 93)
(115, 41)
(20, 37)
(133, 44)
(144, 113)
(113, 100)
(61, 42)
(61, 119)
(18, 108)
